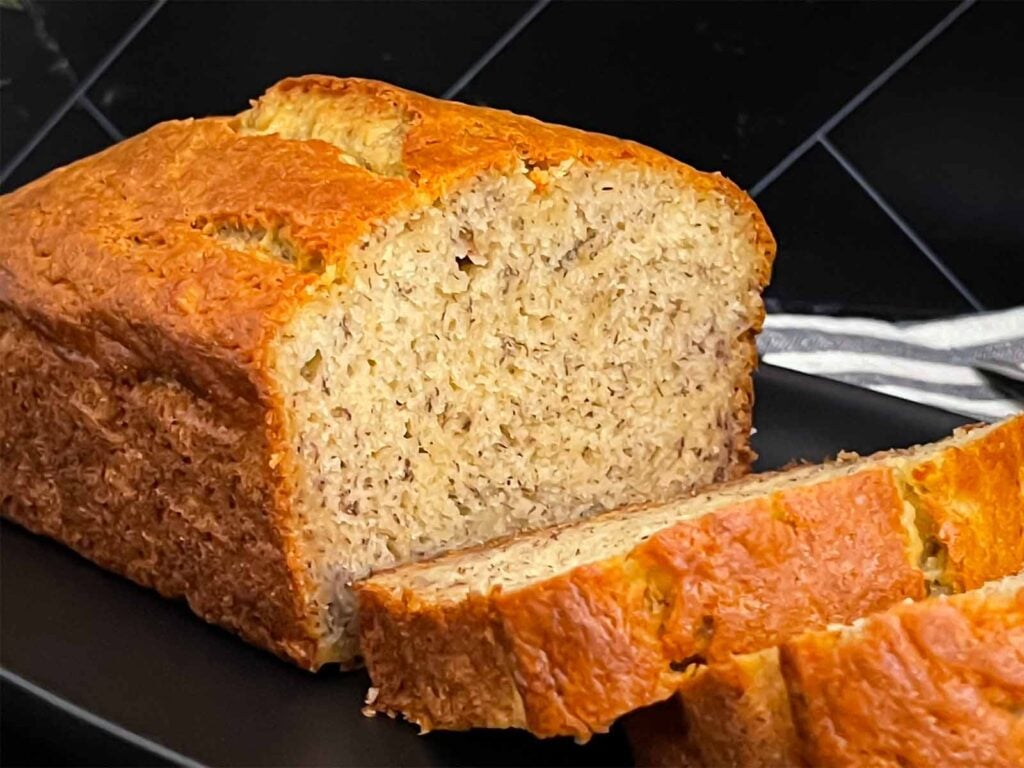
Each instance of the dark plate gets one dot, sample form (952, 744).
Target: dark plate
(97, 670)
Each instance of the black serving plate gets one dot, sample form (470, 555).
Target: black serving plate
(96, 670)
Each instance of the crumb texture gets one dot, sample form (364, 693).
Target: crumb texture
(514, 357)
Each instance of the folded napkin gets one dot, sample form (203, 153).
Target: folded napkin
(928, 362)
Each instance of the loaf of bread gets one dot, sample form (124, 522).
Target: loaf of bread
(564, 630)
(939, 683)
(248, 360)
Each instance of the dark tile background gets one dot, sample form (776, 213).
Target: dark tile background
(43, 48)
(734, 87)
(223, 54)
(840, 254)
(945, 141)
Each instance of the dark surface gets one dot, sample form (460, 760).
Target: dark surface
(36, 732)
(735, 87)
(146, 664)
(77, 135)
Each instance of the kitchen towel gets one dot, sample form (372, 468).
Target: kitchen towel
(927, 362)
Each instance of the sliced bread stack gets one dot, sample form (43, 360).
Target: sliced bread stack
(565, 630)
(921, 685)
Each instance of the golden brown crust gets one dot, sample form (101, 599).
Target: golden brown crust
(116, 262)
(118, 243)
(936, 683)
(585, 647)
(476, 673)
(150, 480)
(971, 498)
(804, 556)
(939, 683)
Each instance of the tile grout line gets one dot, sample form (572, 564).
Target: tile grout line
(98, 115)
(63, 65)
(81, 89)
(801, 149)
(80, 97)
(499, 45)
(900, 222)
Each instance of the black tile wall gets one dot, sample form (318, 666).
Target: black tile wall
(721, 86)
(77, 135)
(732, 87)
(44, 49)
(210, 58)
(944, 144)
(839, 253)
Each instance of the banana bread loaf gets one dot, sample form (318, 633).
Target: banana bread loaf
(921, 685)
(563, 631)
(247, 360)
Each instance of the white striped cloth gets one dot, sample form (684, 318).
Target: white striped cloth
(927, 362)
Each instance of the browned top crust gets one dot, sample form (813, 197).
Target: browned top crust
(117, 256)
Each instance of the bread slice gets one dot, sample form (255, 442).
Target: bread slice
(562, 631)
(248, 360)
(730, 714)
(921, 685)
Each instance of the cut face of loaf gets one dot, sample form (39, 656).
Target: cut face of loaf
(353, 327)
(935, 683)
(563, 631)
